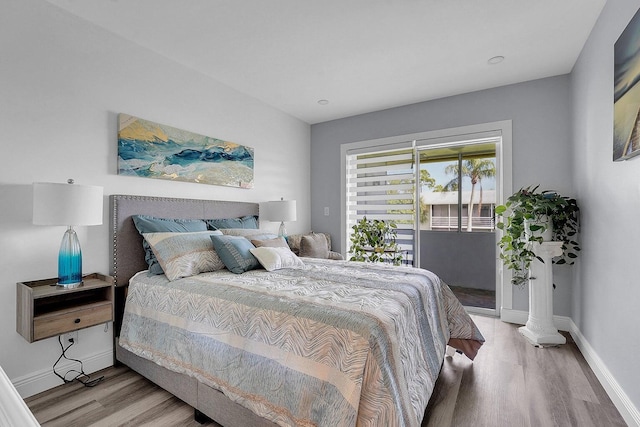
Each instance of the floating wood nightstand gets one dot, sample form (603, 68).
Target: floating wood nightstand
(45, 310)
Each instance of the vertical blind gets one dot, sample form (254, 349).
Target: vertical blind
(381, 185)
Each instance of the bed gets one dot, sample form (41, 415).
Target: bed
(318, 342)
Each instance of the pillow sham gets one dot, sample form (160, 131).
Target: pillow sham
(278, 242)
(294, 241)
(249, 221)
(314, 245)
(276, 258)
(234, 251)
(151, 224)
(184, 254)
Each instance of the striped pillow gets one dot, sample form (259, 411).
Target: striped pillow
(184, 254)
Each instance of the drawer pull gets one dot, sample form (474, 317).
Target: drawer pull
(76, 321)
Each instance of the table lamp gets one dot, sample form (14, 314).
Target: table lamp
(67, 204)
(280, 211)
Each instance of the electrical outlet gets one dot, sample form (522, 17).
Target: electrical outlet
(71, 337)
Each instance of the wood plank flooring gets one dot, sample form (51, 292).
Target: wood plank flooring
(511, 383)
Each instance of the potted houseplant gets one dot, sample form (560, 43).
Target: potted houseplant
(525, 216)
(375, 241)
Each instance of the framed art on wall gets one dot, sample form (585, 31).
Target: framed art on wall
(152, 150)
(626, 110)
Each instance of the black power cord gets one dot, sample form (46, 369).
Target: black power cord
(81, 376)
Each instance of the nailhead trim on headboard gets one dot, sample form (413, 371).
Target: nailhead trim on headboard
(126, 241)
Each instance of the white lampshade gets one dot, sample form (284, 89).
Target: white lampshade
(66, 204)
(280, 211)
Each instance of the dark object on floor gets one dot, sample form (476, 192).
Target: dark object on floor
(470, 297)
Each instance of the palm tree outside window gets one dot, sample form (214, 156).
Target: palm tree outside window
(461, 195)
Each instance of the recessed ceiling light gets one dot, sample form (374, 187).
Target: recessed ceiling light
(323, 101)
(496, 60)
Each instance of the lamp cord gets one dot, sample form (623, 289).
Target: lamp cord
(81, 376)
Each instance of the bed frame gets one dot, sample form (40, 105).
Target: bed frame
(128, 259)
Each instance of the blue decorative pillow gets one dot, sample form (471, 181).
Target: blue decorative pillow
(243, 222)
(235, 253)
(150, 224)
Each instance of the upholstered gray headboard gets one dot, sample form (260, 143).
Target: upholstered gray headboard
(128, 255)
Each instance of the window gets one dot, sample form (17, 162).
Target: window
(445, 204)
(381, 185)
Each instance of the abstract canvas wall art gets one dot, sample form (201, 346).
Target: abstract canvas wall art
(152, 150)
(626, 110)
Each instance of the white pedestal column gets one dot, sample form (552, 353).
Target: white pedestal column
(540, 330)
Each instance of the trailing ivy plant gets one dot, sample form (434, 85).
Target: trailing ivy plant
(375, 241)
(526, 210)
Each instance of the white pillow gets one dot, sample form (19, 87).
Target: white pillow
(184, 254)
(276, 258)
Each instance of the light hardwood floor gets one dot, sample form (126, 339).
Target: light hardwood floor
(511, 383)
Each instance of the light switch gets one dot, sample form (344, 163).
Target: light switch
(326, 211)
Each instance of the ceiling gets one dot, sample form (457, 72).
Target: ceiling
(360, 55)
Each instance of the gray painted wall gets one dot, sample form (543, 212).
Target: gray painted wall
(606, 289)
(541, 118)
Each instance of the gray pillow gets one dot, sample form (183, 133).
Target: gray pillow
(278, 242)
(314, 245)
(294, 241)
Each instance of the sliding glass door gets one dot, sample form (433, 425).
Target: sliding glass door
(457, 196)
(440, 188)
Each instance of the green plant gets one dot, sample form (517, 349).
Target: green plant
(375, 241)
(526, 210)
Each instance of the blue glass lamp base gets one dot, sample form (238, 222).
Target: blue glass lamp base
(282, 230)
(70, 261)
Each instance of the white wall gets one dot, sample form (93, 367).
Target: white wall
(607, 286)
(62, 84)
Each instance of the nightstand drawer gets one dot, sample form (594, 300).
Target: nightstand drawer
(45, 310)
(57, 323)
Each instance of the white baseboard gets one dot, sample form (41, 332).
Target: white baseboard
(617, 395)
(43, 380)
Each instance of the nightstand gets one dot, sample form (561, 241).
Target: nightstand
(45, 310)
